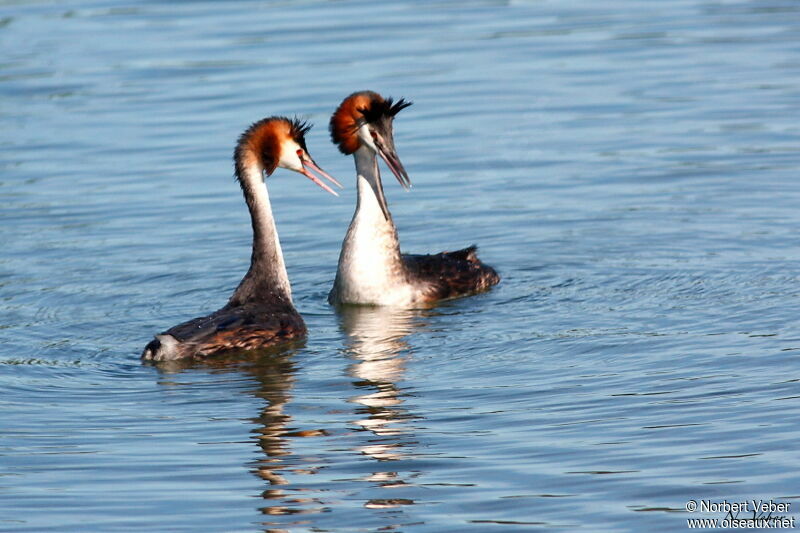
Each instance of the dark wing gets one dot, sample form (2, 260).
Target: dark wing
(451, 274)
(244, 327)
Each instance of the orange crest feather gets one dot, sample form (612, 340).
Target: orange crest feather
(344, 122)
(261, 143)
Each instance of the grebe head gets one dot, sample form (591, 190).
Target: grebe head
(365, 119)
(278, 142)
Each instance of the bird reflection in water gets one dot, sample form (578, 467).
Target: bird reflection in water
(377, 343)
(274, 373)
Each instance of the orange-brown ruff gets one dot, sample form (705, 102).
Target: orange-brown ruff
(344, 121)
(372, 270)
(260, 312)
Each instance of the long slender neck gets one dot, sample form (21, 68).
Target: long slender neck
(371, 249)
(370, 188)
(267, 277)
(369, 217)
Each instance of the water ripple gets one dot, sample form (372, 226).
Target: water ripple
(629, 168)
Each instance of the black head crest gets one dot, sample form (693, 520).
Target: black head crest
(298, 129)
(379, 110)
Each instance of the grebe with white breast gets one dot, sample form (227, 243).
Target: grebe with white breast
(372, 269)
(260, 313)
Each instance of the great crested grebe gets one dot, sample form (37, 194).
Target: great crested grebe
(371, 268)
(260, 312)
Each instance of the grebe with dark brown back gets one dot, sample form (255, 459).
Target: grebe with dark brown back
(260, 313)
(372, 270)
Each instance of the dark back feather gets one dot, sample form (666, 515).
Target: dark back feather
(451, 274)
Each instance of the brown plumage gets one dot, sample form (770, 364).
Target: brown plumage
(358, 108)
(234, 327)
(260, 312)
(371, 268)
(451, 274)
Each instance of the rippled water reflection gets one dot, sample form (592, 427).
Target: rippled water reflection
(629, 167)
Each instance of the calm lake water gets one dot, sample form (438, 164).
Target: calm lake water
(630, 168)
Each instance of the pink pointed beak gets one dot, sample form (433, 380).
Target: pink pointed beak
(308, 163)
(313, 166)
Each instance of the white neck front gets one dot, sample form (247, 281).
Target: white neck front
(369, 181)
(267, 274)
(370, 263)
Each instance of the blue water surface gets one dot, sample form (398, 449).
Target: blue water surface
(630, 168)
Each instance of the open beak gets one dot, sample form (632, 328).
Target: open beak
(385, 146)
(309, 165)
(377, 188)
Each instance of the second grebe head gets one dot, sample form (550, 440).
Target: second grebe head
(279, 142)
(365, 118)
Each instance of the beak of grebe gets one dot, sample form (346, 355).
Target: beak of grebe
(309, 165)
(386, 149)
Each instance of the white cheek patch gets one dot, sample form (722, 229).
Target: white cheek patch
(289, 158)
(365, 137)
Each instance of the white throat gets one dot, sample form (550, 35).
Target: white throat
(371, 269)
(273, 253)
(367, 177)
